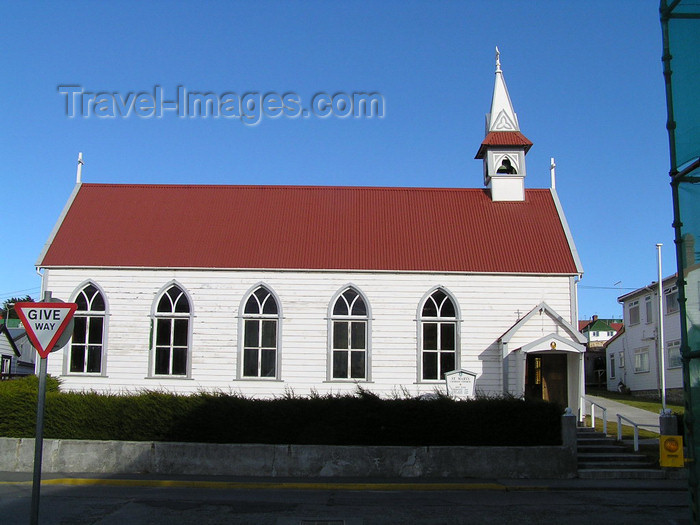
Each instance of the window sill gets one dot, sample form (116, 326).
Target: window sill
(265, 379)
(84, 374)
(349, 381)
(175, 378)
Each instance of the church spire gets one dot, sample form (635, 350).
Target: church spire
(502, 117)
(504, 148)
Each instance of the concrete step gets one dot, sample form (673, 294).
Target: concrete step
(611, 457)
(590, 433)
(603, 449)
(600, 444)
(603, 457)
(617, 465)
(585, 430)
(595, 438)
(592, 436)
(595, 473)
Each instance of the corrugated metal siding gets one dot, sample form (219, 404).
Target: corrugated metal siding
(286, 227)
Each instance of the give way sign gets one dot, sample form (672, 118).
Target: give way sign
(45, 322)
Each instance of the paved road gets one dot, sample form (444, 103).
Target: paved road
(208, 501)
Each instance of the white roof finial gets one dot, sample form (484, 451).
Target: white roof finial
(552, 172)
(79, 174)
(502, 117)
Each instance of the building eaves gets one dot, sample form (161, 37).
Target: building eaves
(650, 288)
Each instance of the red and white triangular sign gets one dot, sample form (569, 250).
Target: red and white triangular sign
(45, 322)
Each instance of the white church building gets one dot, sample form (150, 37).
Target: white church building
(262, 290)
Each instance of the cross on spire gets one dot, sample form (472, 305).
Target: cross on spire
(502, 116)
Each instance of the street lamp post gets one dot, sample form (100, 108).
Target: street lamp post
(660, 335)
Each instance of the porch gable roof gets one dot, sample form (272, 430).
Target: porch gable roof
(543, 307)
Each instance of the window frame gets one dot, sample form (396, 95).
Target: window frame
(172, 316)
(262, 317)
(349, 319)
(5, 365)
(611, 365)
(673, 306)
(640, 352)
(88, 314)
(634, 305)
(422, 321)
(674, 345)
(648, 310)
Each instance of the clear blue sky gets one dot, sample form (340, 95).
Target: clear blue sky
(585, 79)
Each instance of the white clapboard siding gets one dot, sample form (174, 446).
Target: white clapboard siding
(644, 335)
(489, 306)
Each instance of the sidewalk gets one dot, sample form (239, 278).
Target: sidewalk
(341, 484)
(639, 416)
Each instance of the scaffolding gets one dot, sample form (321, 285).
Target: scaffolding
(680, 24)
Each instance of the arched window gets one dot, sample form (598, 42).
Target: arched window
(438, 336)
(349, 322)
(87, 344)
(260, 325)
(171, 333)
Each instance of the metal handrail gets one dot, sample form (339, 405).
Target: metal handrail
(636, 429)
(605, 414)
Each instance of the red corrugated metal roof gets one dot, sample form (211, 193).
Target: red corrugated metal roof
(343, 228)
(503, 138)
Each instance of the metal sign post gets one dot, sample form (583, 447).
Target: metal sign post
(38, 442)
(44, 323)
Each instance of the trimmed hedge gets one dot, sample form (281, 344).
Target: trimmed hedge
(362, 419)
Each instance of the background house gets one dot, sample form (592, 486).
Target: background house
(262, 290)
(632, 356)
(597, 332)
(17, 355)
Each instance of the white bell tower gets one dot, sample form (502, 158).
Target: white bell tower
(504, 148)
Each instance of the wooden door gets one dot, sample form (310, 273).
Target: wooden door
(554, 380)
(546, 378)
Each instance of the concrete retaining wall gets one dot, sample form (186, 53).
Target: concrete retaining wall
(673, 395)
(104, 457)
